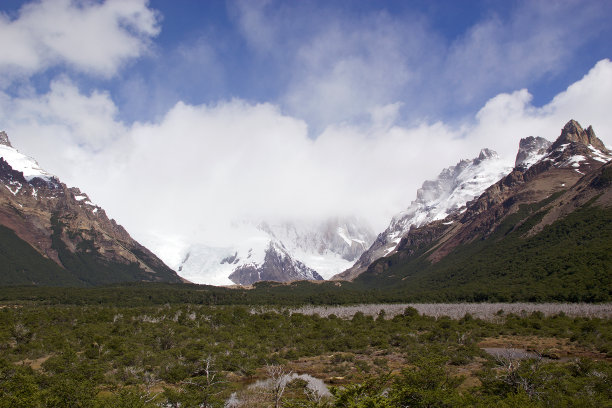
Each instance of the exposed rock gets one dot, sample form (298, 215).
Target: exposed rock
(4, 140)
(573, 132)
(563, 165)
(531, 149)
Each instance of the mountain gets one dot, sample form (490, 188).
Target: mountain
(54, 235)
(284, 251)
(436, 200)
(541, 232)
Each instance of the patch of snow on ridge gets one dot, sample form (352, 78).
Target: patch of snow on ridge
(574, 161)
(20, 162)
(600, 156)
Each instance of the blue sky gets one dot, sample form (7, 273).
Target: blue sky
(214, 50)
(246, 109)
(445, 58)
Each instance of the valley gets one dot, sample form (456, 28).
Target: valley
(305, 204)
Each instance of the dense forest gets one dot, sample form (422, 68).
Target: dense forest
(568, 260)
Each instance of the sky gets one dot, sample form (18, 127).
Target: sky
(183, 117)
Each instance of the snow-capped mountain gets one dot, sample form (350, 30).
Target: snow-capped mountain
(284, 251)
(542, 230)
(68, 239)
(436, 199)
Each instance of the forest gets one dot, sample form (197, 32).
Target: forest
(182, 354)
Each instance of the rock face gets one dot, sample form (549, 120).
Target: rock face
(436, 200)
(573, 133)
(531, 149)
(4, 140)
(63, 225)
(572, 162)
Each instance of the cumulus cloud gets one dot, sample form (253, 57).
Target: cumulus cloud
(90, 37)
(80, 124)
(187, 176)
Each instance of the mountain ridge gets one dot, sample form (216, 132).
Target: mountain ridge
(562, 162)
(436, 200)
(569, 181)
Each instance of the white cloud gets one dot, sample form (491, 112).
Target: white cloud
(95, 38)
(345, 72)
(506, 116)
(532, 42)
(339, 67)
(199, 168)
(64, 117)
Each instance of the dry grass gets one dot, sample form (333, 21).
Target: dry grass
(458, 310)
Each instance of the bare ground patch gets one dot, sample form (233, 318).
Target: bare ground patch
(548, 347)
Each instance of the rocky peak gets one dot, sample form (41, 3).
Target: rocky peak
(595, 141)
(573, 132)
(485, 154)
(4, 140)
(531, 149)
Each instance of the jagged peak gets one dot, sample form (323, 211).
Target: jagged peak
(531, 149)
(572, 132)
(486, 154)
(531, 140)
(4, 140)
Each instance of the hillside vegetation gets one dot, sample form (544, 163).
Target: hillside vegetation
(569, 260)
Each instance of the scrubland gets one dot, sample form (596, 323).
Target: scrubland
(187, 355)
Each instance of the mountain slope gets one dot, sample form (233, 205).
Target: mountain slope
(542, 232)
(61, 225)
(436, 200)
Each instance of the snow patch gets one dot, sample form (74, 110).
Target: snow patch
(600, 156)
(342, 234)
(11, 190)
(390, 249)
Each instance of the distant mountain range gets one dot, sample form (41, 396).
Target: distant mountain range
(482, 228)
(54, 235)
(282, 252)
